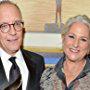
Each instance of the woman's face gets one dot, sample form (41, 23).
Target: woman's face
(76, 42)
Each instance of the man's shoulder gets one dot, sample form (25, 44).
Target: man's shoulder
(30, 53)
(32, 56)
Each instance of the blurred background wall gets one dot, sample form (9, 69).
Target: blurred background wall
(38, 12)
(39, 15)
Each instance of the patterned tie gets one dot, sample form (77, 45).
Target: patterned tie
(14, 76)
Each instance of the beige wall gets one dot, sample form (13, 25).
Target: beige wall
(38, 12)
(74, 7)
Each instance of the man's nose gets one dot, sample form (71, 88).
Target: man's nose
(12, 30)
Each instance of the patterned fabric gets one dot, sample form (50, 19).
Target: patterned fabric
(54, 78)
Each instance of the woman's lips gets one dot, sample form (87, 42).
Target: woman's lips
(74, 50)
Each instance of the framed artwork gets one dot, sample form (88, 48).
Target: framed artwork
(43, 23)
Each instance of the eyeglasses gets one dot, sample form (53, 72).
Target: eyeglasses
(18, 26)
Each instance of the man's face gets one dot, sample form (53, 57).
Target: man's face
(10, 41)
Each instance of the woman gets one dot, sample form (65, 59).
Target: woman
(72, 72)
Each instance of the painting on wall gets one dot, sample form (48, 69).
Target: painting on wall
(38, 14)
(44, 16)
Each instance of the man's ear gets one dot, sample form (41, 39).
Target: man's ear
(63, 38)
(23, 30)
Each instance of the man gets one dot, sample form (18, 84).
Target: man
(31, 65)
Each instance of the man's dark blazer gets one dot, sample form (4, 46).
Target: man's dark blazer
(89, 55)
(35, 65)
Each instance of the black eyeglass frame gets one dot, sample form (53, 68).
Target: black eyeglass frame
(9, 26)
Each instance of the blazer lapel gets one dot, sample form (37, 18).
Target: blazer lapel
(32, 70)
(3, 78)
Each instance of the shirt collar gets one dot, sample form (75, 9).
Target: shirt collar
(4, 54)
(19, 54)
(59, 66)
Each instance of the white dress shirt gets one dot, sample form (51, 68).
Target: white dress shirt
(20, 62)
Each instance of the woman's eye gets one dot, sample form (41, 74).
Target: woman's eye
(70, 36)
(84, 40)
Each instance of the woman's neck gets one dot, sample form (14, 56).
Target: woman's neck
(73, 69)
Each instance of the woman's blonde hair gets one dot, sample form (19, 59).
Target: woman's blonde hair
(79, 18)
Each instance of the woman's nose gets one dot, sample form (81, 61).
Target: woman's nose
(76, 43)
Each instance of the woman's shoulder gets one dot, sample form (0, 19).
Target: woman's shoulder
(46, 79)
(47, 73)
(50, 80)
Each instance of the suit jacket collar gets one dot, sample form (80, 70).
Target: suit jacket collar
(29, 61)
(3, 78)
(31, 67)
